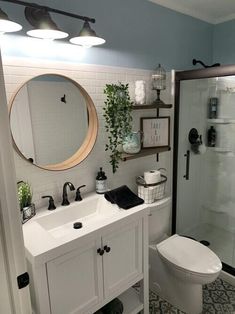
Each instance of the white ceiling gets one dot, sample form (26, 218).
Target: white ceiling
(212, 11)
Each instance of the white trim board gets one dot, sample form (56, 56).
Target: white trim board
(11, 229)
(68, 66)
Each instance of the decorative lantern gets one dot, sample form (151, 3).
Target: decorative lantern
(159, 83)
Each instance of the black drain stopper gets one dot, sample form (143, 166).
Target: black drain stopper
(77, 225)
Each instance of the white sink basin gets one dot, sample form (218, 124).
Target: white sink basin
(51, 233)
(89, 211)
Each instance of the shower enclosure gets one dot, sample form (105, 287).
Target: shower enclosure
(204, 162)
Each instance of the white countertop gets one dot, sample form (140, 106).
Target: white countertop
(43, 245)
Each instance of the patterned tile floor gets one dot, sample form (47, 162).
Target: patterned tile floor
(218, 298)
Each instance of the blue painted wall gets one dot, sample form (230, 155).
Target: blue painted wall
(139, 34)
(224, 43)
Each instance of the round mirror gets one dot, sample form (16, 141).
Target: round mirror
(53, 122)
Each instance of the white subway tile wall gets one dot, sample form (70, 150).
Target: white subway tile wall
(93, 78)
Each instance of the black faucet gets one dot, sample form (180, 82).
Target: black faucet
(51, 204)
(65, 201)
(78, 197)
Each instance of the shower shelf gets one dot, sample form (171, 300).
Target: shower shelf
(221, 121)
(219, 150)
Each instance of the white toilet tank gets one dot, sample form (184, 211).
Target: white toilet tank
(160, 220)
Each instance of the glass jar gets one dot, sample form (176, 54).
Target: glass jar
(132, 143)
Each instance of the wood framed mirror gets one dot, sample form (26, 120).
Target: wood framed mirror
(53, 122)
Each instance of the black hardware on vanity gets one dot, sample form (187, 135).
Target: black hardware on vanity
(187, 155)
(78, 197)
(107, 248)
(51, 204)
(65, 201)
(100, 251)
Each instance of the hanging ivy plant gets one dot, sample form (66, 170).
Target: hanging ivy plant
(117, 114)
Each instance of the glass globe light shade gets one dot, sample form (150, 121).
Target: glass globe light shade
(87, 37)
(6, 25)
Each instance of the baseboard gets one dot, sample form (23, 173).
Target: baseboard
(227, 277)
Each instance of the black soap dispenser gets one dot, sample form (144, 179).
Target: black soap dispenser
(101, 182)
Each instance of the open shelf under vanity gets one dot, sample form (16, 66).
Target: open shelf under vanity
(131, 302)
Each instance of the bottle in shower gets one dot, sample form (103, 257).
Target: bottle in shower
(213, 108)
(211, 137)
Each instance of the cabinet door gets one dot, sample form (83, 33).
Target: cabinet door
(124, 261)
(75, 280)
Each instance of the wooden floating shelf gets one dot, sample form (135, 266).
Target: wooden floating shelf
(151, 106)
(145, 152)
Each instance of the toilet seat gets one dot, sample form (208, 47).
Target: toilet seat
(189, 255)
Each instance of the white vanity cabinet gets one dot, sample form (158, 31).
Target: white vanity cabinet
(75, 281)
(79, 271)
(123, 263)
(83, 278)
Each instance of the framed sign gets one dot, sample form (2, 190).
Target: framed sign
(156, 132)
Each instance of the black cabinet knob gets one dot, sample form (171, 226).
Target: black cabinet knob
(100, 251)
(107, 248)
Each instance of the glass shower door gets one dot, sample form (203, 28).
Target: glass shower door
(205, 207)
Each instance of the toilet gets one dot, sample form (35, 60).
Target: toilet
(179, 266)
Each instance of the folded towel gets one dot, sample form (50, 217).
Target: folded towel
(123, 197)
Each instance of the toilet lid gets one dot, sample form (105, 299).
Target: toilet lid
(190, 255)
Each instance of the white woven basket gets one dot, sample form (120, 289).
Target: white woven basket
(151, 192)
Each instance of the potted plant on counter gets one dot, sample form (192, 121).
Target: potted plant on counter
(25, 195)
(117, 114)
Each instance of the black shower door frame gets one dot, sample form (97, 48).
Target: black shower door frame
(219, 71)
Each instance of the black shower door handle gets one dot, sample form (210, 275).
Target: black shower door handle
(187, 155)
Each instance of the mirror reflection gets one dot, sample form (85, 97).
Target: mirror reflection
(49, 119)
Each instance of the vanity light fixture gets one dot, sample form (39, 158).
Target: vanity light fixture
(6, 25)
(159, 82)
(87, 37)
(44, 27)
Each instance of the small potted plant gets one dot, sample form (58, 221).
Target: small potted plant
(117, 114)
(25, 195)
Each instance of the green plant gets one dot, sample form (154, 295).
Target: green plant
(117, 114)
(24, 194)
